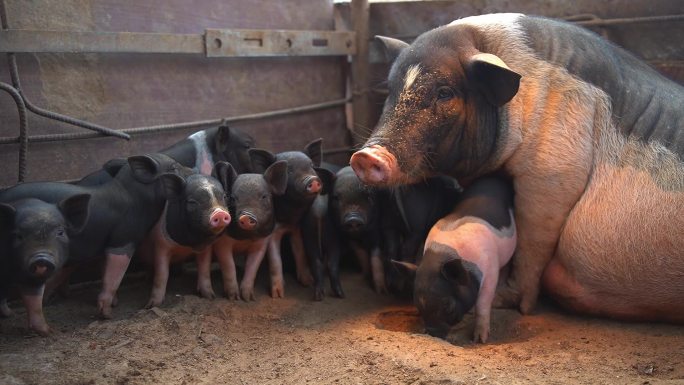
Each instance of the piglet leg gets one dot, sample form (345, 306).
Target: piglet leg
(203, 259)
(303, 273)
(362, 257)
(33, 301)
(223, 248)
(483, 306)
(275, 266)
(251, 268)
(115, 269)
(378, 271)
(161, 278)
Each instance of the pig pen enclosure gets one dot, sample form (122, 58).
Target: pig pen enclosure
(286, 72)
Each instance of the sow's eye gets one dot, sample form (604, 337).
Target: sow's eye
(445, 93)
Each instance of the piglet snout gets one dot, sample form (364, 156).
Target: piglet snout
(373, 165)
(353, 222)
(42, 265)
(247, 221)
(219, 219)
(313, 184)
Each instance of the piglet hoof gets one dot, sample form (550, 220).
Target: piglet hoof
(277, 290)
(104, 307)
(318, 294)
(115, 300)
(153, 302)
(232, 295)
(304, 277)
(40, 327)
(337, 291)
(207, 293)
(247, 293)
(481, 334)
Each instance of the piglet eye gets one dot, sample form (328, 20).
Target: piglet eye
(445, 93)
(264, 197)
(60, 232)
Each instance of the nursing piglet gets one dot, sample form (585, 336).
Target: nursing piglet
(464, 252)
(251, 197)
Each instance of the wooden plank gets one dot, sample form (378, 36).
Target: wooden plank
(360, 11)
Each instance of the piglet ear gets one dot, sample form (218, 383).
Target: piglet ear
(75, 211)
(406, 269)
(314, 150)
(454, 271)
(173, 185)
(391, 46)
(7, 214)
(493, 78)
(261, 159)
(276, 176)
(327, 178)
(225, 173)
(144, 168)
(113, 166)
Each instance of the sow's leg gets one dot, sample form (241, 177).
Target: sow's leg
(539, 216)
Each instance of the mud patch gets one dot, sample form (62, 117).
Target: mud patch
(404, 319)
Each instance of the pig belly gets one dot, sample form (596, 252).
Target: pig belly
(621, 252)
(475, 240)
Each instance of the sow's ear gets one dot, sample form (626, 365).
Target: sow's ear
(493, 78)
(226, 175)
(144, 168)
(392, 47)
(7, 214)
(327, 178)
(75, 211)
(314, 151)
(454, 271)
(261, 159)
(276, 176)
(406, 269)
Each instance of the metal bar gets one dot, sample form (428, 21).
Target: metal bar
(256, 43)
(219, 42)
(178, 126)
(591, 20)
(23, 129)
(17, 40)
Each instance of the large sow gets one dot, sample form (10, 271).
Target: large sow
(592, 138)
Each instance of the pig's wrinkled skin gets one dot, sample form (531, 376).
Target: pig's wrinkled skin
(592, 139)
(252, 208)
(121, 212)
(34, 244)
(195, 215)
(464, 252)
(303, 186)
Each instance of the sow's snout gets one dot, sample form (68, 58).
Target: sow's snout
(374, 165)
(353, 222)
(41, 265)
(219, 219)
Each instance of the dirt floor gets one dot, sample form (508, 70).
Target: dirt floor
(363, 339)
